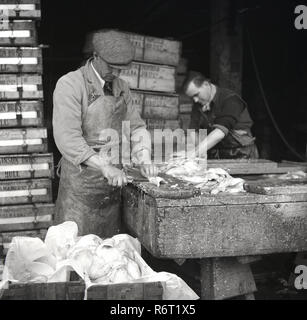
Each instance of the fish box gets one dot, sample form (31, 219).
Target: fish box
(150, 77)
(25, 191)
(75, 290)
(147, 49)
(20, 9)
(21, 114)
(6, 237)
(156, 50)
(173, 224)
(26, 166)
(155, 106)
(26, 217)
(23, 140)
(18, 33)
(20, 86)
(21, 59)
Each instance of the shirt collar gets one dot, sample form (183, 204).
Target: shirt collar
(102, 82)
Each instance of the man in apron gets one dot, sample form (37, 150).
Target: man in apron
(224, 115)
(90, 105)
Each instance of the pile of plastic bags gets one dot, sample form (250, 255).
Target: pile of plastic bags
(95, 260)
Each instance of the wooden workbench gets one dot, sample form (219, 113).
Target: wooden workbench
(225, 230)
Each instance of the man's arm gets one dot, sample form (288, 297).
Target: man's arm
(212, 139)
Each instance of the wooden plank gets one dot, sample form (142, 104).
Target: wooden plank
(25, 191)
(26, 217)
(224, 278)
(155, 106)
(21, 114)
(6, 237)
(150, 77)
(18, 60)
(180, 231)
(18, 33)
(25, 140)
(26, 166)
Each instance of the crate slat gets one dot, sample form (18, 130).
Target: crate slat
(155, 106)
(18, 60)
(25, 191)
(18, 33)
(21, 114)
(26, 217)
(26, 166)
(150, 77)
(23, 140)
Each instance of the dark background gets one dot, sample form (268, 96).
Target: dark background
(280, 51)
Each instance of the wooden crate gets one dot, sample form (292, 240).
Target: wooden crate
(20, 86)
(150, 77)
(21, 59)
(147, 49)
(26, 217)
(20, 9)
(74, 290)
(219, 225)
(185, 104)
(23, 140)
(6, 237)
(25, 191)
(156, 50)
(155, 106)
(26, 166)
(162, 124)
(21, 114)
(18, 33)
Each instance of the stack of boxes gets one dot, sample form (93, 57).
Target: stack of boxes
(26, 169)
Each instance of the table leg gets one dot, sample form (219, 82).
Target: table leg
(223, 278)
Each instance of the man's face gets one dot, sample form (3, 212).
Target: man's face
(106, 72)
(201, 94)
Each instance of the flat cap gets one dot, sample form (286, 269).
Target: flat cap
(114, 47)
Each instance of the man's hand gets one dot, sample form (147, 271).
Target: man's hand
(149, 170)
(115, 177)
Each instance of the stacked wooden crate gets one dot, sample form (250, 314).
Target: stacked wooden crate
(26, 169)
(153, 82)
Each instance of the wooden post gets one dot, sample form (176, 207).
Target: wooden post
(226, 45)
(223, 278)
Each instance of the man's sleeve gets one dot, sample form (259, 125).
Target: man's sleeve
(231, 110)
(140, 137)
(67, 123)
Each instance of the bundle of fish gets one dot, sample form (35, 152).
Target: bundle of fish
(213, 180)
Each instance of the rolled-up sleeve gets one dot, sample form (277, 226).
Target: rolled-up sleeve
(140, 137)
(230, 114)
(67, 123)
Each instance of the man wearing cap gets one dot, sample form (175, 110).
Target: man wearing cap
(90, 105)
(224, 115)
